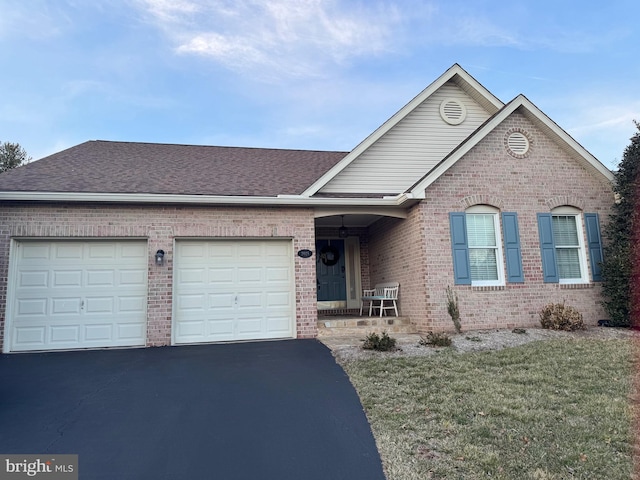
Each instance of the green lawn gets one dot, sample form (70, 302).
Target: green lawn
(553, 409)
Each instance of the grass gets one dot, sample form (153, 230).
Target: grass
(546, 410)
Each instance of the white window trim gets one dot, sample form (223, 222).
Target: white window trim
(582, 251)
(485, 209)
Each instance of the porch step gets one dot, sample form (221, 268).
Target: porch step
(356, 325)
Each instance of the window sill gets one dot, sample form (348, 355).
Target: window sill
(575, 286)
(487, 288)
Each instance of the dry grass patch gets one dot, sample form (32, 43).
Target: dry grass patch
(554, 409)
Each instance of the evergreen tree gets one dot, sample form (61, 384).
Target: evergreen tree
(619, 248)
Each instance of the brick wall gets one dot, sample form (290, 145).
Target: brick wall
(546, 178)
(397, 254)
(160, 226)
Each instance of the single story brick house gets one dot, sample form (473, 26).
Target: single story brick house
(113, 244)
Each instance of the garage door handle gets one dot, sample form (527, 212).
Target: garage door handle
(81, 304)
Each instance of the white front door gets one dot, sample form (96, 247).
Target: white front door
(228, 290)
(67, 294)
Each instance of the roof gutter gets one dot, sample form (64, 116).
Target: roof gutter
(401, 200)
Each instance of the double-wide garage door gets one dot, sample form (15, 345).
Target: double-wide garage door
(77, 294)
(227, 290)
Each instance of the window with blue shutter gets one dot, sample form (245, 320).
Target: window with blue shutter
(460, 249)
(512, 250)
(547, 248)
(595, 245)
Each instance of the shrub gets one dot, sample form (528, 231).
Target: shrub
(558, 316)
(452, 308)
(435, 340)
(381, 343)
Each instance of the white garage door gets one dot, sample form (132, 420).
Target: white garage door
(233, 290)
(78, 294)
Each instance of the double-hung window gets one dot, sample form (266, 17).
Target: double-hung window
(485, 257)
(569, 248)
(564, 252)
(477, 247)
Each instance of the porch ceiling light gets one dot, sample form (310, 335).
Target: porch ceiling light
(343, 232)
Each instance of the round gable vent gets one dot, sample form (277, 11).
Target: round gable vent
(517, 143)
(453, 111)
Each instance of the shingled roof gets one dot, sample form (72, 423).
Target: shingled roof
(149, 168)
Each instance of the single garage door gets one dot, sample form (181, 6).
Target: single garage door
(78, 294)
(233, 290)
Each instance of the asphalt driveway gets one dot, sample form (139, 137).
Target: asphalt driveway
(265, 410)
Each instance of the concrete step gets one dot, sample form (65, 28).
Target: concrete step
(361, 326)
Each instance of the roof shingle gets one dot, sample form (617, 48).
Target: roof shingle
(150, 168)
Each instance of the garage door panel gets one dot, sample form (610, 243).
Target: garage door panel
(31, 307)
(26, 337)
(192, 302)
(192, 276)
(278, 299)
(67, 278)
(240, 276)
(278, 274)
(75, 294)
(132, 277)
(278, 323)
(250, 301)
(129, 331)
(65, 306)
(100, 305)
(35, 252)
(66, 252)
(132, 251)
(33, 279)
(221, 276)
(132, 304)
(67, 334)
(250, 325)
(221, 301)
(223, 253)
(102, 251)
(99, 332)
(250, 275)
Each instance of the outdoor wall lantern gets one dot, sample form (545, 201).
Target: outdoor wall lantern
(342, 231)
(159, 257)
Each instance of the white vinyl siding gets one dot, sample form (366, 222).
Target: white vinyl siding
(77, 294)
(227, 290)
(411, 148)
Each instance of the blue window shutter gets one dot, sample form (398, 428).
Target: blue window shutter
(595, 245)
(512, 250)
(460, 249)
(547, 249)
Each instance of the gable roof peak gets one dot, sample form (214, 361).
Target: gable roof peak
(454, 73)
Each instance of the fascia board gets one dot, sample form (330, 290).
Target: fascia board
(418, 191)
(396, 118)
(132, 198)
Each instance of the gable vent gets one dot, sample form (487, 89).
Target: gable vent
(453, 111)
(517, 144)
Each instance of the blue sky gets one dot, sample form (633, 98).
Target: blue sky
(303, 74)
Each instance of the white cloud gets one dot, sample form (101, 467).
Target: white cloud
(276, 38)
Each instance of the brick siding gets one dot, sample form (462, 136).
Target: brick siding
(160, 226)
(546, 178)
